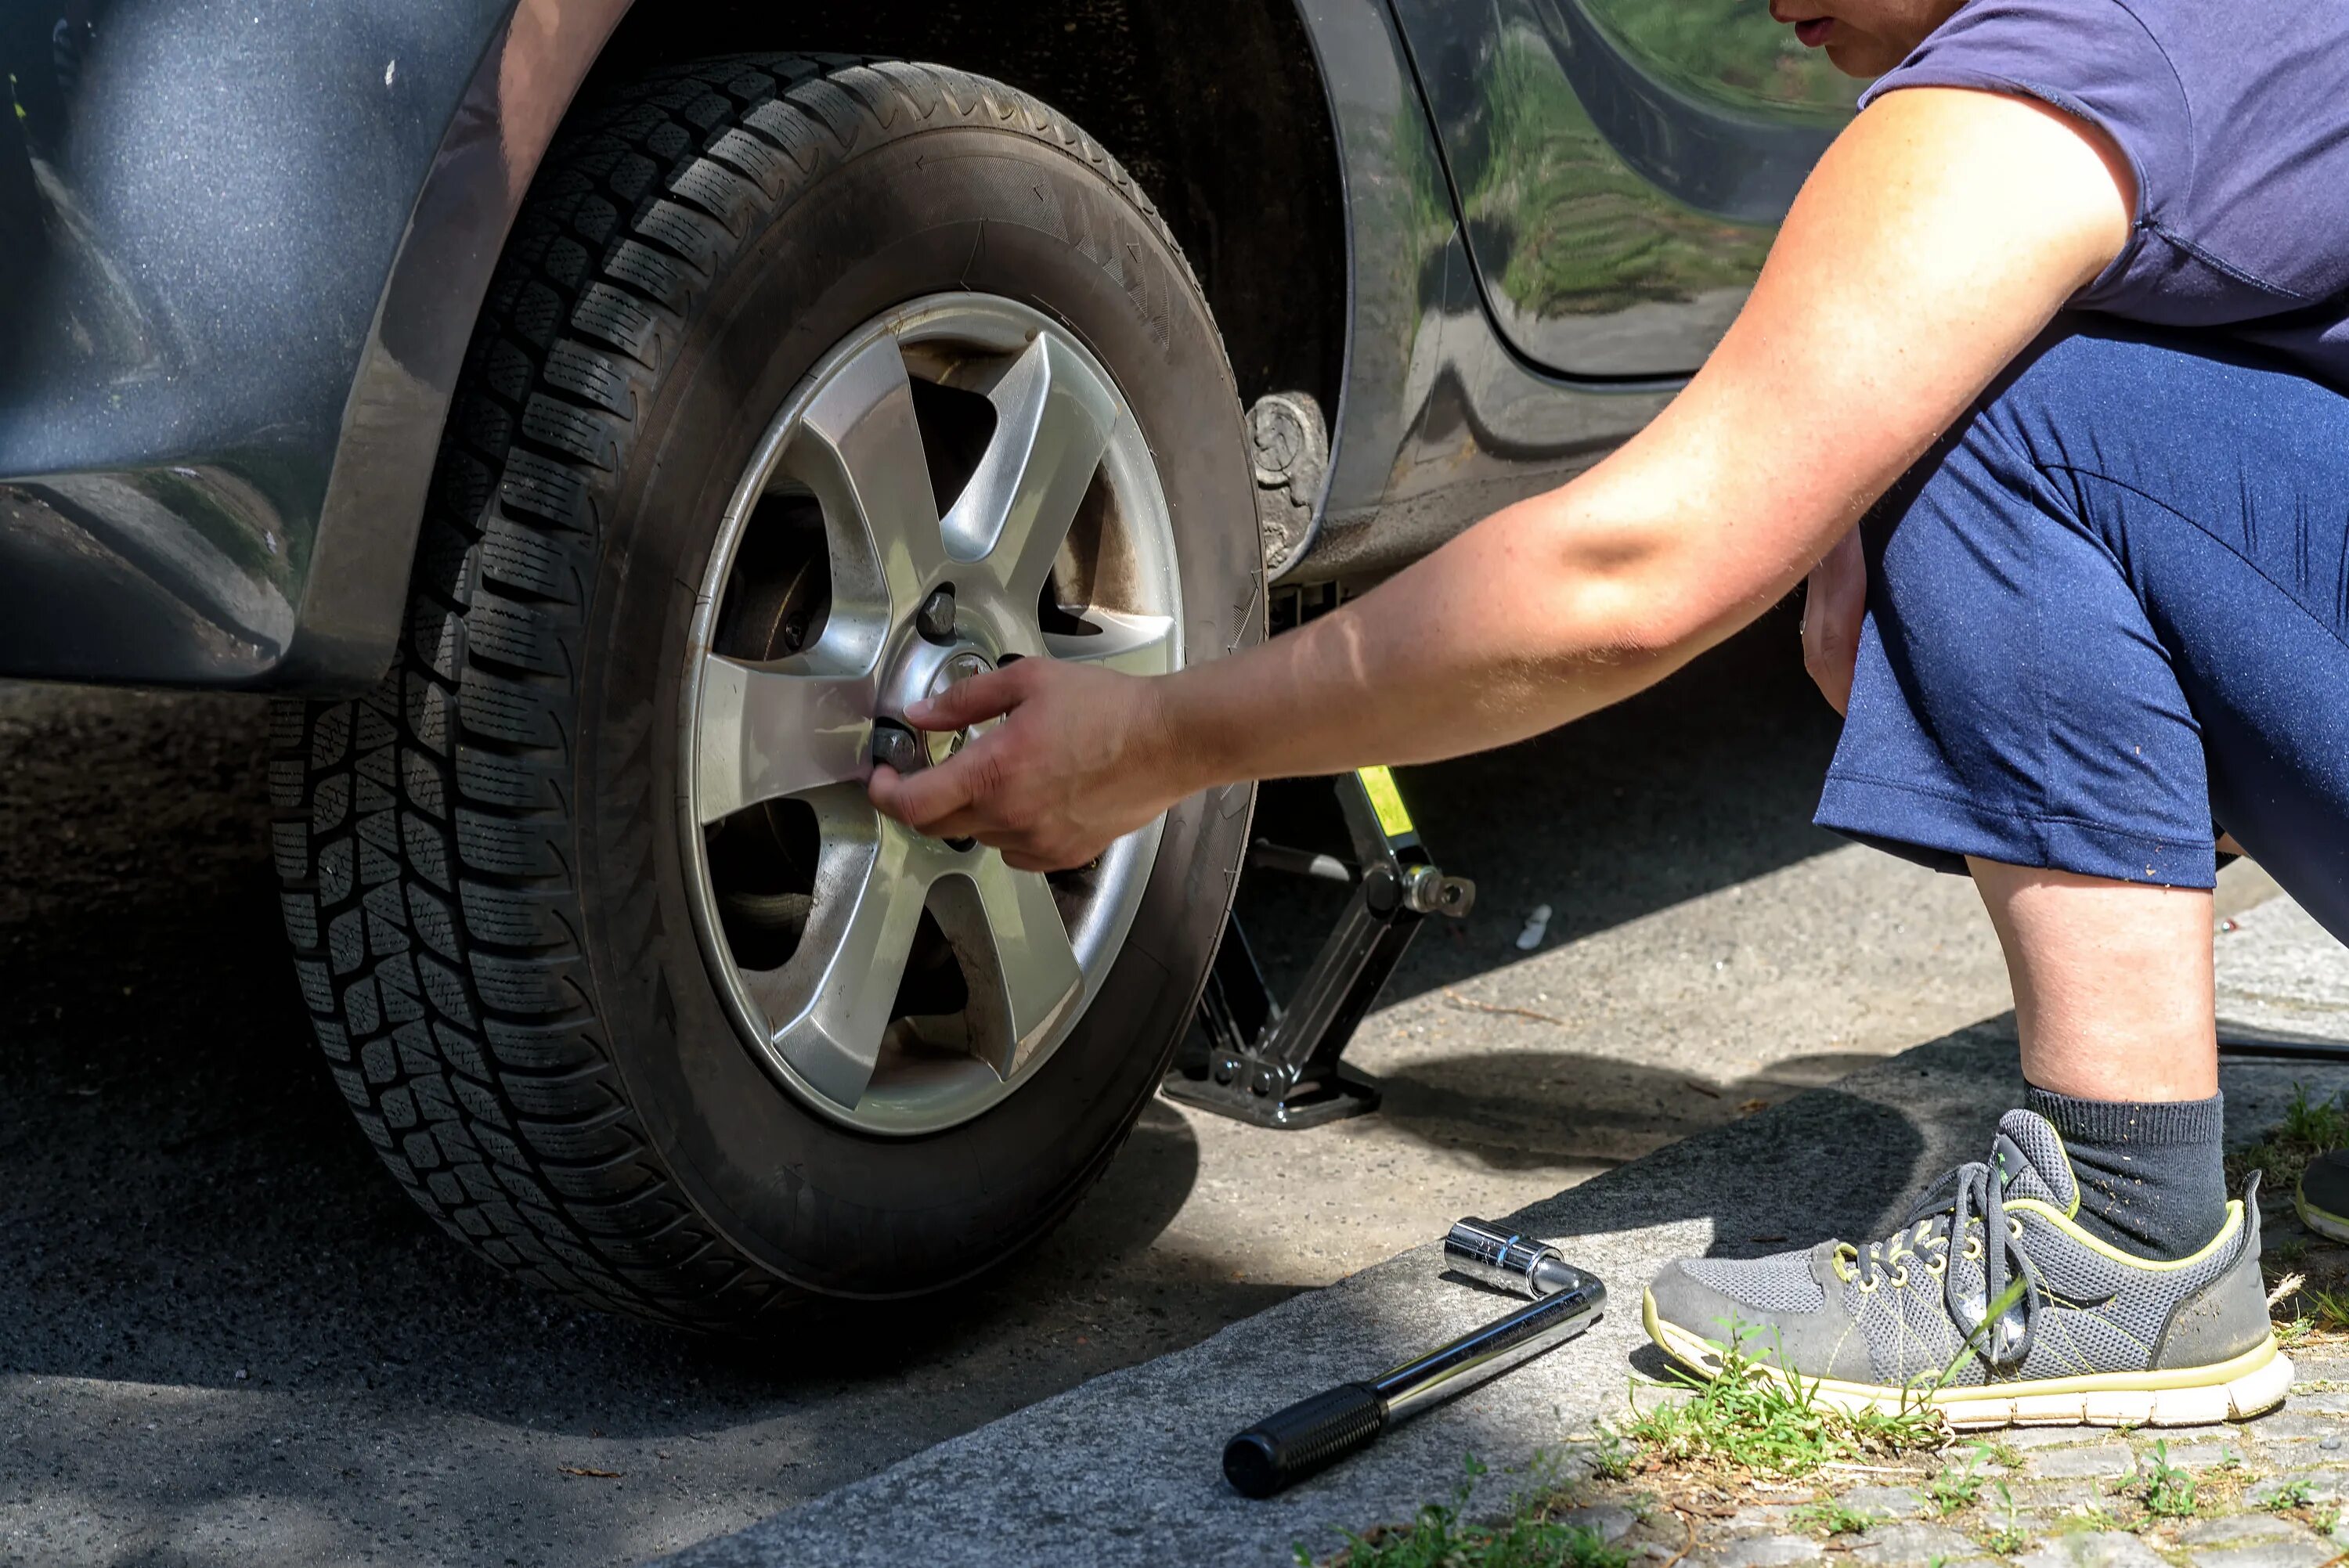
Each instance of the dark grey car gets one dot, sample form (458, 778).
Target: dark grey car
(602, 420)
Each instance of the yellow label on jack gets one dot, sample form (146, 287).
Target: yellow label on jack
(1386, 801)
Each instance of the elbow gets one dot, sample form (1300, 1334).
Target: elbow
(1636, 610)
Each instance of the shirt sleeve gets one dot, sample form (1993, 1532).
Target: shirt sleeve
(2091, 58)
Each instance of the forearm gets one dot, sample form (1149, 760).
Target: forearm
(1539, 614)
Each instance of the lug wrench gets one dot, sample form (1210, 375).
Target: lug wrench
(1315, 1433)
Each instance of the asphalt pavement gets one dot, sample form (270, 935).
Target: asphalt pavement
(225, 1336)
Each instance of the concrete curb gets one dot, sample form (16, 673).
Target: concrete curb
(1124, 1470)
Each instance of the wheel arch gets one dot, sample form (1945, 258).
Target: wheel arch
(1248, 178)
(373, 511)
(1217, 108)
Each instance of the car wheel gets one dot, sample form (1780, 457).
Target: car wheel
(807, 386)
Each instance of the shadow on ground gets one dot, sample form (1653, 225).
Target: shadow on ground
(1705, 782)
(226, 1335)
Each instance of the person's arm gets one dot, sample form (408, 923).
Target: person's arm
(1937, 236)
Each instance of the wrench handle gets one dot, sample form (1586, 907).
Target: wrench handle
(1310, 1435)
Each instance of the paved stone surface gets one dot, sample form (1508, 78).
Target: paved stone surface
(2024, 1440)
(2301, 1549)
(2094, 1459)
(1764, 1552)
(1611, 1520)
(2202, 1456)
(1896, 1545)
(2240, 1529)
(2319, 1486)
(2282, 976)
(1888, 1502)
(2092, 1549)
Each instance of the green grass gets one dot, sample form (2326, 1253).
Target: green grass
(1958, 1486)
(2011, 1537)
(1747, 1417)
(2167, 1491)
(2291, 1494)
(2310, 1129)
(2089, 1520)
(1832, 1516)
(1437, 1538)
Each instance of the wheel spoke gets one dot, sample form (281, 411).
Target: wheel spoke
(829, 1007)
(1131, 645)
(1053, 423)
(1007, 930)
(861, 453)
(765, 730)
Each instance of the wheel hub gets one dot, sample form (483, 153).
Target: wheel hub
(957, 484)
(962, 667)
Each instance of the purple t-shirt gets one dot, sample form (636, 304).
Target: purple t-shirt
(2234, 114)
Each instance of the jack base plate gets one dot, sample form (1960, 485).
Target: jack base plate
(1343, 1094)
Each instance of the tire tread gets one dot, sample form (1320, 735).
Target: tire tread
(420, 831)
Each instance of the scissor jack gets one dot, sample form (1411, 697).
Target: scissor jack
(1279, 1066)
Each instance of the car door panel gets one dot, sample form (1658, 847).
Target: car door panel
(1619, 165)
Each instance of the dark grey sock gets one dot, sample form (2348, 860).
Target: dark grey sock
(2151, 1177)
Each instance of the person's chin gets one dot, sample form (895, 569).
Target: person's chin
(1862, 57)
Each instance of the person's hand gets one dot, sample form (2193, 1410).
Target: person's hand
(1081, 757)
(1832, 608)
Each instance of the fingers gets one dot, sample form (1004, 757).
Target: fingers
(965, 703)
(935, 801)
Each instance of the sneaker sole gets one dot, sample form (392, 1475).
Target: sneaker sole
(2330, 1225)
(2250, 1385)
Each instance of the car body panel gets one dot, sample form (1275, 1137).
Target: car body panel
(257, 239)
(1620, 166)
(1439, 421)
(262, 236)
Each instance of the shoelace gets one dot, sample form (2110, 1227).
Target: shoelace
(1971, 1190)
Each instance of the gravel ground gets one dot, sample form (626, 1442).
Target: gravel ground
(226, 1336)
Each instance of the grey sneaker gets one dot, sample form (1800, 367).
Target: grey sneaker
(2088, 1334)
(2323, 1195)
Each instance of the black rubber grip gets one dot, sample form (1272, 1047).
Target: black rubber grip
(1312, 1434)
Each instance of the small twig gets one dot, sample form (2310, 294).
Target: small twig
(1708, 1093)
(1690, 1526)
(1866, 1469)
(1474, 1006)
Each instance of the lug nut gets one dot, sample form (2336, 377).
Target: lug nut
(936, 619)
(898, 747)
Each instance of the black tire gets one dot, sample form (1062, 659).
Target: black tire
(482, 869)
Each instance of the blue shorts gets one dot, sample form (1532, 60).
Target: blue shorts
(2106, 621)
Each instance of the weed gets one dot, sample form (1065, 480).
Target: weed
(1832, 1515)
(1956, 1487)
(2011, 1537)
(2166, 1492)
(1747, 1415)
(2309, 1129)
(2084, 1519)
(1611, 1456)
(2291, 1331)
(1527, 1538)
(2292, 1252)
(2332, 1307)
(2290, 1494)
(2004, 1453)
(2321, 1127)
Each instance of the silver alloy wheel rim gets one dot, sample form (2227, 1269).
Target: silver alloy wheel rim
(1033, 952)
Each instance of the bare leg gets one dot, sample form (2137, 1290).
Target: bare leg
(2113, 990)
